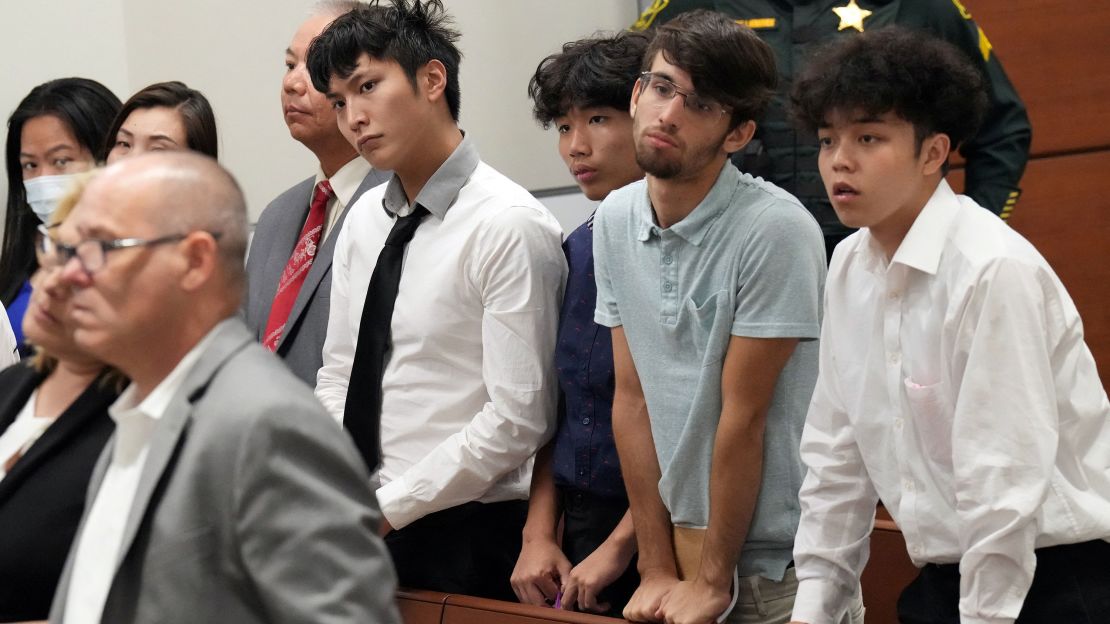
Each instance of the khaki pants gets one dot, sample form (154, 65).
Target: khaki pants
(763, 601)
(760, 600)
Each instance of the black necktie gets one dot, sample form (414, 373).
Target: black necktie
(362, 412)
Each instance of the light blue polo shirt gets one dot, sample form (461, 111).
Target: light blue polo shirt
(748, 261)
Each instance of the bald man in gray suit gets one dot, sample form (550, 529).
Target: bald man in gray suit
(289, 266)
(226, 493)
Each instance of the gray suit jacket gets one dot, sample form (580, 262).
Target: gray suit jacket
(275, 235)
(253, 506)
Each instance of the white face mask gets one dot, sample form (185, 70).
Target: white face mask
(44, 192)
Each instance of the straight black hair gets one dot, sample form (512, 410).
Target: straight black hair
(410, 32)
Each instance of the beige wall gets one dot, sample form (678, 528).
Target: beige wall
(233, 52)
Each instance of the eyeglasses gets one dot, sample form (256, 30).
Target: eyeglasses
(659, 91)
(90, 253)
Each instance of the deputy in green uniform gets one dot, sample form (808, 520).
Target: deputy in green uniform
(794, 28)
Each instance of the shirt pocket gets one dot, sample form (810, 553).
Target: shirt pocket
(710, 322)
(931, 419)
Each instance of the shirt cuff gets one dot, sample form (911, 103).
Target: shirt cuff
(391, 498)
(817, 602)
(607, 320)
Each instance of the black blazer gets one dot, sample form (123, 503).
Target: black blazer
(43, 497)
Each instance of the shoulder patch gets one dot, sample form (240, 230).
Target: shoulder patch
(648, 16)
(962, 9)
(985, 46)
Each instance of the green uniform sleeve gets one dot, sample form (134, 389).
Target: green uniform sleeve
(996, 156)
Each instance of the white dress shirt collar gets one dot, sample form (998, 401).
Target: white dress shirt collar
(156, 403)
(344, 183)
(924, 242)
(347, 180)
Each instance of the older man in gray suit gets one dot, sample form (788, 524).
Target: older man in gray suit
(226, 494)
(289, 266)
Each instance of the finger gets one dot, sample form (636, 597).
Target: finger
(563, 566)
(533, 596)
(632, 609)
(570, 595)
(518, 589)
(587, 600)
(549, 587)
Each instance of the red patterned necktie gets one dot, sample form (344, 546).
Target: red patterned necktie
(297, 268)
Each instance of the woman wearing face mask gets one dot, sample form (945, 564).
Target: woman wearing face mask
(163, 116)
(53, 425)
(58, 130)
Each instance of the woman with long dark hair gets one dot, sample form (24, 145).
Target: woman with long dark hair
(58, 130)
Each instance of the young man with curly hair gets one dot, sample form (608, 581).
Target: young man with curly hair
(955, 385)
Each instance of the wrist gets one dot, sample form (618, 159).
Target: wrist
(624, 546)
(649, 573)
(538, 535)
(717, 580)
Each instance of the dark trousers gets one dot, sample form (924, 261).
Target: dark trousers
(470, 549)
(587, 522)
(1071, 585)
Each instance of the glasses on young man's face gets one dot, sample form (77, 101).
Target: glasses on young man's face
(91, 253)
(659, 91)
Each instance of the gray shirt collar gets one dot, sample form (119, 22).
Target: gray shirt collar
(441, 189)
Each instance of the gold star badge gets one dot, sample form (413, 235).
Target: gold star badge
(851, 16)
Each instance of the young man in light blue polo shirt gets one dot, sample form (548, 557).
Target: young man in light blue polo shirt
(711, 281)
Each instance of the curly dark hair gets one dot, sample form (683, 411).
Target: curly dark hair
(726, 61)
(599, 71)
(410, 32)
(924, 80)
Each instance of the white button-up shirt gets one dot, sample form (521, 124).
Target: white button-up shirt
(955, 386)
(97, 546)
(468, 393)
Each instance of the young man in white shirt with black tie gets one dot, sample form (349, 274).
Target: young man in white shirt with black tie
(444, 306)
(954, 382)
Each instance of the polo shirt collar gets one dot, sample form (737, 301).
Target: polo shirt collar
(696, 225)
(442, 188)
